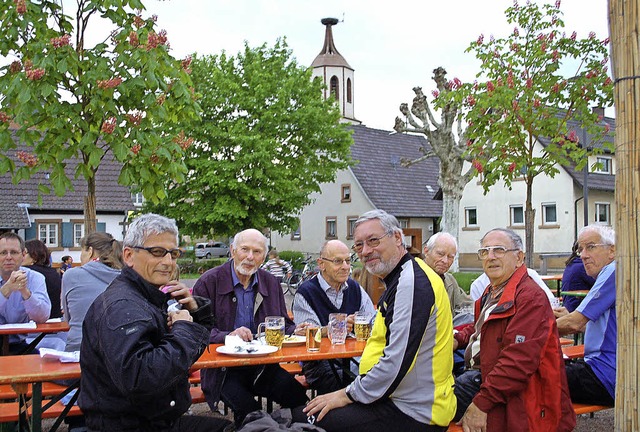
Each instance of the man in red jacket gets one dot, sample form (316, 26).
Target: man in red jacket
(513, 356)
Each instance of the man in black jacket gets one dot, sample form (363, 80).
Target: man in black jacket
(136, 353)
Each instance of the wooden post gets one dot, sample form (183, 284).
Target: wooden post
(624, 25)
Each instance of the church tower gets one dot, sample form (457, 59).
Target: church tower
(336, 73)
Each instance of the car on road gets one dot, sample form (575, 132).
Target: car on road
(211, 250)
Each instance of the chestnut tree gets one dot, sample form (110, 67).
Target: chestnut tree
(70, 93)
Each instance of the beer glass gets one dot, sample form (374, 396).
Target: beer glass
(273, 330)
(362, 326)
(314, 337)
(337, 328)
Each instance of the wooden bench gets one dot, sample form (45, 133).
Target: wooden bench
(578, 408)
(48, 389)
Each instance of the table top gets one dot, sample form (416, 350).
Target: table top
(576, 293)
(32, 368)
(556, 277)
(574, 351)
(54, 327)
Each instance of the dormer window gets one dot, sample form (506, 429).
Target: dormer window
(348, 90)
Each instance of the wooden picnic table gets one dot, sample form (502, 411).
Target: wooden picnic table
(573, 351)
(576, 293)
(554, 277)
(22, 370)
(42, 330)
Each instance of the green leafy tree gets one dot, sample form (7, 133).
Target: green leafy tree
(267, 140)
(526, 96)
(67, 99)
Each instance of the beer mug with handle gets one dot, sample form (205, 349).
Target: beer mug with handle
(273, 330)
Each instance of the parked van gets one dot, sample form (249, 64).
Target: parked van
(211, 250)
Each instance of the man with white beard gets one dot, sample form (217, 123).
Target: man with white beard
(242, 295)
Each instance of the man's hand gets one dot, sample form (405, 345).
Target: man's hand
(182, 294)
(301, 328)
(17, 282)
(326, 402)
(351, 319)
(455, 344)
(560, 312)
(243, 333)
(474, 420)
(181, 315)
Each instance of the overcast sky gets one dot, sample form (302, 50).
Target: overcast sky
(392, 45)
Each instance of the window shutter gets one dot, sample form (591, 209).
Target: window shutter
(31, 233)
(101, 227)
(67, 234)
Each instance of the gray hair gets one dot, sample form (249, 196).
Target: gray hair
(146, 225)
(389, 222)
(515, 238)
(238, 237)
(607, 234)
(430, 244)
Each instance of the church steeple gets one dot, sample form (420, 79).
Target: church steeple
(335, 72)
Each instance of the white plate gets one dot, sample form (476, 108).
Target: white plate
(294, 340)
(261, 350)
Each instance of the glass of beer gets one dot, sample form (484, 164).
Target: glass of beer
(362, 326)
(314, 337)
(273, 330)
(337, 328)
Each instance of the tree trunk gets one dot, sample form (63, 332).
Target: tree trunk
(452, 185)
(624, 19)
(529, 224)
(90, 217)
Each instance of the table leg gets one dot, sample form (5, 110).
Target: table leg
(36, 403)
(5, 345)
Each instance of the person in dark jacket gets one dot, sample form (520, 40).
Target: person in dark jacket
(242, 295)
(38, 258)
(574, 278)
(135, 355)
(515, 378)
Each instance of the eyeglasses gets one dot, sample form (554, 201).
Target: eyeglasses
(160, 252)
(337, 261)
(589, 248)
(371, 242)
(498, 251)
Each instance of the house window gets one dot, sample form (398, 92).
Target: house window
(603, 165)
(517, 215)
(295, 235)
(137, 198)
(470, 217)
(346, 193)
(333, 87)
(404, 223)
(351, 226)
(349, 90)
(49, 233)
(78, 233)
(549, 214)
(603, 213)
(331, 228)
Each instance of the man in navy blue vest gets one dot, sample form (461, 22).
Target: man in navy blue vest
(331, 291)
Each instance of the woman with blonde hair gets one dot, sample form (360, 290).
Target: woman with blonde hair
(101, 261)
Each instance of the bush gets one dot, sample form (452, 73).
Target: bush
(198, 266)
(295, 258)
(465, 279)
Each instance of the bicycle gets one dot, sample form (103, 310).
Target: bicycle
(297, 277)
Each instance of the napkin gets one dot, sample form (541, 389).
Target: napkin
(233, 341)
(63, 356)
(30, 325)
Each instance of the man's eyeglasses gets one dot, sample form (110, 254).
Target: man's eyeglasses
(160, 252)
(4, 253)
(589, 248)
(337, 261)
(498, 251)
(371, 242)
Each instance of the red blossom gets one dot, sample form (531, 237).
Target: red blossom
(154, 158)
(15, 67)
(475, 85)
(135, 149)
(183, 141)
(516, 32)
(62, 41)
(186, 64)
(536, 103)
(21, 6)
(543, 47)
(514, 105)
(605, 41)
(555, 55)
(110, 83)
(574, 35)
(455, 84)
(573, 136)
(557, 4)
(512, 167)
(138, 21)
(4, 117)
(35, 74)
(556, 88)
(515, 47)
(607, 81)
(469, 143)
(133, 39)
(471, 100)
(490, 86)
(156, 39)
(480, 39)
(435, 94)
(477, 165)
(135, 118)
(529, 83)
(592, 35)
(607, 128)
(109, 125)
(160, 99)
(28, 159)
